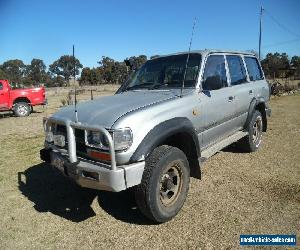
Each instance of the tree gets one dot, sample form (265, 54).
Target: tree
(295, 63)
(119, 72)
(92, 76)
(97, 76)
(106, 66)
(112, 71)
(134, 62)
(64, 67)
(36, 71)
(58, 81)
(276, 64)
(85, 77)
(13, 70)
(2, 73)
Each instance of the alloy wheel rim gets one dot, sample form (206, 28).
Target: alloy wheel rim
(22, 110)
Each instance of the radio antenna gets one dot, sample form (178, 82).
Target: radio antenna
(75, 94)
(188, 57)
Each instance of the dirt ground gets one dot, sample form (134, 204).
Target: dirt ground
(239, 193)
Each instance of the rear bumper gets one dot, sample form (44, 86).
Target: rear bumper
(95, 175)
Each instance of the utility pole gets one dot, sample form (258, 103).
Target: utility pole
(260, 24)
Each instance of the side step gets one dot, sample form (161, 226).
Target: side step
(205, 154)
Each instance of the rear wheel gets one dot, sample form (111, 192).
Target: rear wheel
(22, 109)
(252, 141)
(164, 185)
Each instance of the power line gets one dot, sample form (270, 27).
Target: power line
(281, 43)
(281, 25)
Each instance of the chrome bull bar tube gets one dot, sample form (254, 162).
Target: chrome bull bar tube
(70, 126)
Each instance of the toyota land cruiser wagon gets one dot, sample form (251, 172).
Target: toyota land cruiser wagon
(162, 123)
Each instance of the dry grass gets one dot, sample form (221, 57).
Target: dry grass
(286, 81)
(239, 193)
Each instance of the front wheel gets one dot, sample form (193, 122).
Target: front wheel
(164, 185)
(22, 109)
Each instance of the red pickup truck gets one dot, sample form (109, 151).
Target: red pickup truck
(20, 101)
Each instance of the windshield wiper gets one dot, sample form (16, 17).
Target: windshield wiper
(142, 86)
(158, 86)
(168, 85)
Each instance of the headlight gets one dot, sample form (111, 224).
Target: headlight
(97, 140)
(48, 132)
(49, 137)
(122, 139)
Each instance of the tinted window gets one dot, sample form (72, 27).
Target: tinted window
(253, 68)
(236, 70)
(1, 86)
(166, 72)
(214, 76)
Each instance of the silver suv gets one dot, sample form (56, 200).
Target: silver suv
(169, 116)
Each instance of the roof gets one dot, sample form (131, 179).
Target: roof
(209, 51)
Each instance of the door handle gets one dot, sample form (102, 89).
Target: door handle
(230, 98)
(250, 92)
(1, 93)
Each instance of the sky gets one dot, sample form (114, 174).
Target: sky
(119, 29)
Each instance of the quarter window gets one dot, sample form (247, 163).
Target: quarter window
(1, 86)
(236, 70)
(253, 68)
(214, 76)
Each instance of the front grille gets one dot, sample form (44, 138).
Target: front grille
(80, 141)
(61, 130)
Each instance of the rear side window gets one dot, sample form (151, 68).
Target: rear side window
(1, 86)
(236, 70)
(253, 68)
(214, 76)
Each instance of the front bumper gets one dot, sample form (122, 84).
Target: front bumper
(95, 175)
(88, 173)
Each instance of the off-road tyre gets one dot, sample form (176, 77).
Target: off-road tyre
(252, 141)
(164, 184)
(22, 109)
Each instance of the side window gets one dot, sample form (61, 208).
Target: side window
(236, 70)
(214, 76)
(253, 68)
(1, 86)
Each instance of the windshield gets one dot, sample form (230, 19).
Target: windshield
(165, 72)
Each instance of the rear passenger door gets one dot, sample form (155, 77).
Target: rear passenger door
(241, 88)
(217, 106)
(256, 76)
